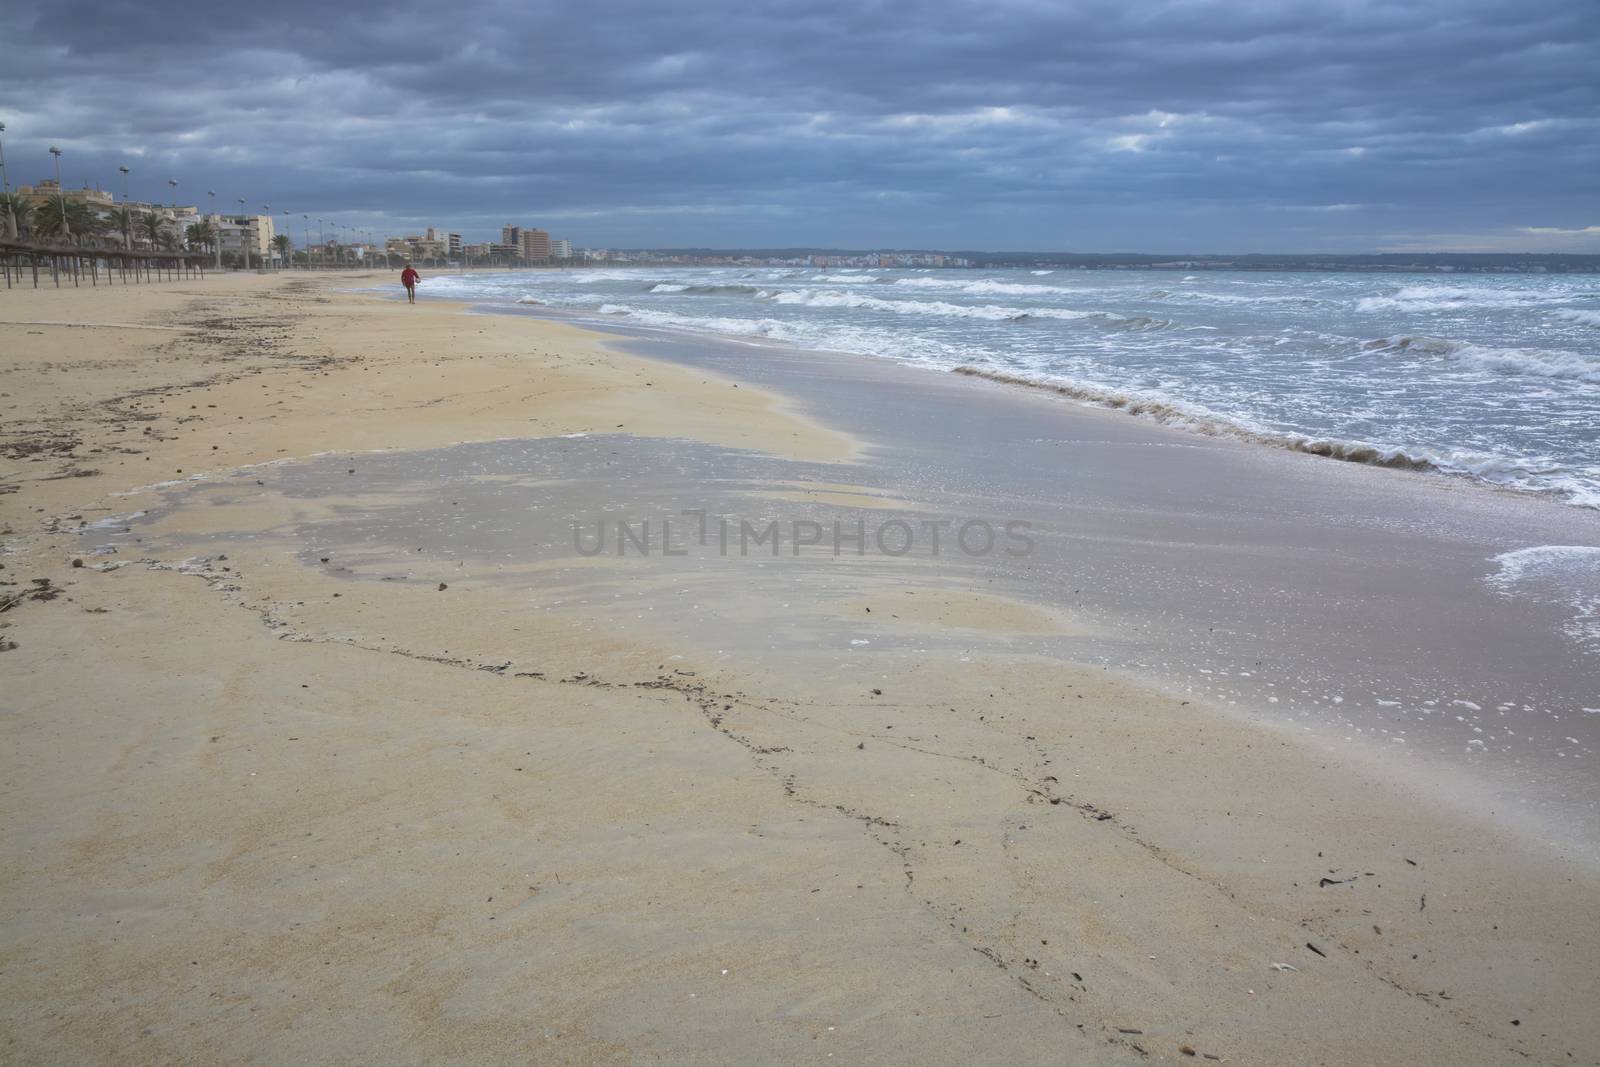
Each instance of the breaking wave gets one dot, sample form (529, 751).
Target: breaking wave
(1500, 471)
(831, 298)
(731, 289)
(1175, 412)
(1543, 363)
(985, 288)
(1202, 296)
(718, 324)
(1455, 298)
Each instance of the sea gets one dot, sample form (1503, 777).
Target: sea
(1492, 377)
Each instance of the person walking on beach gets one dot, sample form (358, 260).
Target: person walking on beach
(409, 278)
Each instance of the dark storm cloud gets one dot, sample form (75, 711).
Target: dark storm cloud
(1170, 126)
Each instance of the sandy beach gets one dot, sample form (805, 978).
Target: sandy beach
(326, 745)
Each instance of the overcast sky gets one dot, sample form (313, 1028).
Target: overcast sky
(1079, 125)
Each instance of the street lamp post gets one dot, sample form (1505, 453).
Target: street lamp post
(216, 230)
(244, 235)
(127, 213)
(322, 244)
(288, 259)
(5, 185)
(305, 226)
(61, 195)
(267, 209)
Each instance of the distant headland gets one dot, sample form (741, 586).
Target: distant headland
(1385, 262)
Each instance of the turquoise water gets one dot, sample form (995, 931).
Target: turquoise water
(1494, 377)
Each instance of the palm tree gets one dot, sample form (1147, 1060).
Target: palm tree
(70, 218)
(201, 235)
(168, 241)
(150, 227)
(121, 220)
(281, 243)
(21, 210)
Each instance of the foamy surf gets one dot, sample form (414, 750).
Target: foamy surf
(1545, 363)
(1494, 378)
(1566, 576)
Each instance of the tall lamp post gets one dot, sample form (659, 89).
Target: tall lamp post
(267, 208)
(288, 260)
(61, 195)
(322, 243)
(216, 230)
(5, 185)
(244, 234)
(127, 213)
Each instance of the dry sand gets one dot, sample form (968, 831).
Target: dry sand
(258, 810)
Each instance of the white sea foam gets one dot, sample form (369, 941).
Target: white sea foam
(832, 298)
(984, 287)
(1582, 316)
(1206, 296)
(1567, 575)
(716, 324)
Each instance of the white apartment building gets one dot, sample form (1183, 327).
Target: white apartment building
(239, 233)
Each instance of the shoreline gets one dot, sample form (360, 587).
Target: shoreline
(1380, 507)
(441, 708)
(1563, 474)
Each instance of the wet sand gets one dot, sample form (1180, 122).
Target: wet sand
(1369, 607)
(335, 753)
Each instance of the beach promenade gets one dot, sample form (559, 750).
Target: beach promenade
(324, 745)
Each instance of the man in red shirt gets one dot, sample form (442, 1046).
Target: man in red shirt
(409, 278)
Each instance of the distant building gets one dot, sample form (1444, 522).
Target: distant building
(47, 190)
(239, 234)
(511, 235)
(561, 248)
(421, 247)
(536, 246)
(450, 242)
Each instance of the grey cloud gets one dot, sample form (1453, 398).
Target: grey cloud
(1155, 125)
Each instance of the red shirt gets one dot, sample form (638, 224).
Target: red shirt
(409, 277)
